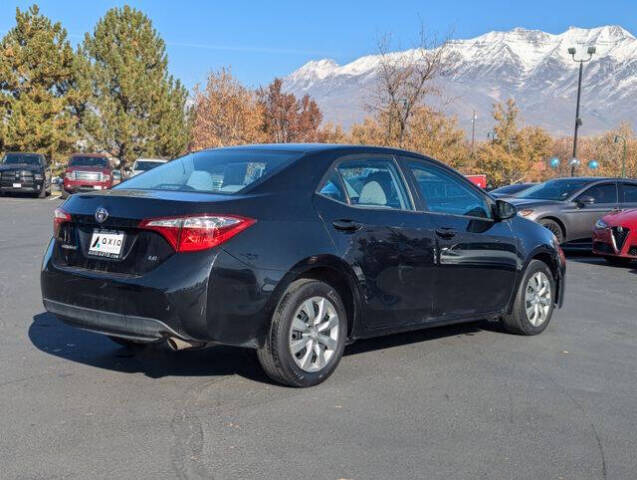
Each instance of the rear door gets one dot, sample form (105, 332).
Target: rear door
(369, 214)
(477, 256)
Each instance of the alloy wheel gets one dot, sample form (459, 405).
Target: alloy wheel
(538, 298)
(314, 334)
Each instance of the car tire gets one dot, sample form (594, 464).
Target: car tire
(533, 306)
(618, 261)
(554, 228)
(64, 195)
(296, 351)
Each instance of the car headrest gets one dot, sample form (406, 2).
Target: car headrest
(372, 194)
(201, 180)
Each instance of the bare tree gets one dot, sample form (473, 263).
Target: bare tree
(405, 79)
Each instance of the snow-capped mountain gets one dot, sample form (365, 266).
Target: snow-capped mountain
(531, 66)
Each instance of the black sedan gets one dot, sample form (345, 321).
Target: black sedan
(296, 251)
(569, 207)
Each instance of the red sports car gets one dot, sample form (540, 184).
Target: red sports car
(615, 237)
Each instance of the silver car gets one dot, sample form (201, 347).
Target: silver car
(569, 207)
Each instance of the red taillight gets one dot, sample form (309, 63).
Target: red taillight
(193, 233)
(59, 217)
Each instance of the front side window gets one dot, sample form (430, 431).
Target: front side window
(604, 193)
(373, 183)
(213, 171)
(443, 193)
(629, 193)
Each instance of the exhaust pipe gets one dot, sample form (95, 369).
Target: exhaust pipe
(177, 344)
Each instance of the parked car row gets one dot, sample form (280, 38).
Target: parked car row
(583, 213)
(32, 173)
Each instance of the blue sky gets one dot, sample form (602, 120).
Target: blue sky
(261, 40)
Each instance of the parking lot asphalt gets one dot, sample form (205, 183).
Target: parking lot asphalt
(457, 402)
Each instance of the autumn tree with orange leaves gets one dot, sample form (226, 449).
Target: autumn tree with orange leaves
(226, 113)
(286, 118)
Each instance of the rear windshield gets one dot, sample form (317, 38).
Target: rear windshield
(21, 158)
(146, 165)
(214, 171)
(81, 161)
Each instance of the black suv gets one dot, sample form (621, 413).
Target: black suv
(25, 173)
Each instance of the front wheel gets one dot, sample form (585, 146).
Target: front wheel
(307, 335)
(554, 228)
(534, 301)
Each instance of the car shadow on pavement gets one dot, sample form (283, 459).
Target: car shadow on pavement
(54, 337)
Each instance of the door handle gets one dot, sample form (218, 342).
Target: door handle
(346, 225)
(446, 232)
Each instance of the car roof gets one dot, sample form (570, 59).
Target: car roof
(95, 155)
(25, 153)
(314, 148)
(589, 179)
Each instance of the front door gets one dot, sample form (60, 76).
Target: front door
(477, 256)
(370, 216)
(582, 216)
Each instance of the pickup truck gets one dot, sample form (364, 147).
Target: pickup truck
(86, 172)
(25, 173)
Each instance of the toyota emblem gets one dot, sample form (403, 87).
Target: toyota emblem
(101, 214)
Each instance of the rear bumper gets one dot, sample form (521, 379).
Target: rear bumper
(207, 296)
(109, 323)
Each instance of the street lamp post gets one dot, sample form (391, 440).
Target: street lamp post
(623, 139)
(473, 132)
(578, 120)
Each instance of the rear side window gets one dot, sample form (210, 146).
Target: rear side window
(373, 183)
(629, 193)
(331, 188)
(443, 193)
(214, 171)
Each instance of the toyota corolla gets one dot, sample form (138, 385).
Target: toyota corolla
(296, 251)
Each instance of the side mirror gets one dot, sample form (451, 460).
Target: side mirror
(585, 200)
(504, 210)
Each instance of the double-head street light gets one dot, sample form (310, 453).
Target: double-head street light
(578, 121)
(623, 139)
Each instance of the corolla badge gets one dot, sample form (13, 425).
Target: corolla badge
(101, 214)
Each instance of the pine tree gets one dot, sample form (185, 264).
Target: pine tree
(38, 86)
(135, 107)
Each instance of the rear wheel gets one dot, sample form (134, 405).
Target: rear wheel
(307, 335)
(534, 301)
(618, 261)
(554, 227)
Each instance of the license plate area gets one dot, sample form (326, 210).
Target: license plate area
(106, 243)
(17, 185)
